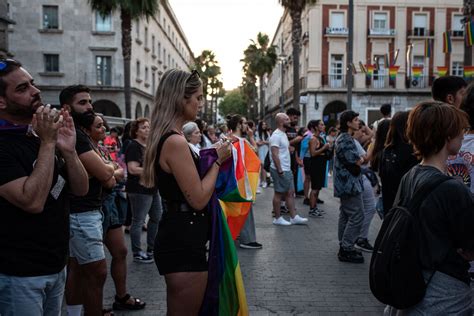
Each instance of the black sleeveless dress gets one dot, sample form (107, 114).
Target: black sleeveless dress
(181, 244)
(318, 168)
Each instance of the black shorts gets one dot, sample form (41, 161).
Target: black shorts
(181, 242)
(307, 166)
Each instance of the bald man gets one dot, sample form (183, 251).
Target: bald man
(280, 169)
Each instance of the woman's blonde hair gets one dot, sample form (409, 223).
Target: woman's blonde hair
(175, 87)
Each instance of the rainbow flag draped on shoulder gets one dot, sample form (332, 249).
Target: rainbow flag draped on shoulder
(236, 188)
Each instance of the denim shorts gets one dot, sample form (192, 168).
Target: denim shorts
(282, 183)
(31, 296)
(85, 237)
(114, 207)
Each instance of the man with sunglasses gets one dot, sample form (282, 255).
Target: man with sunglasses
(38, 168)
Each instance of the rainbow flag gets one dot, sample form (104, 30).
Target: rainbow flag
(417, 71)
(428, 47)
(469, 34)
(304, 147)
(447, 45)
(370, 71)
(393, 71)
(442, 71)
(225, 292)
(468, 71)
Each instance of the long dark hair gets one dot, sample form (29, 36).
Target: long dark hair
(396, 133)
(379, 144)
(262, 134)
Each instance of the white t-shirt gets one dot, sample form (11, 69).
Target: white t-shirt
(461, 166)
(280, 140)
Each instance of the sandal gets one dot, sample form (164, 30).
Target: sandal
(124, 304)
(107, 311)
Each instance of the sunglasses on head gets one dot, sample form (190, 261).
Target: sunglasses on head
(4, 63)
(194, 73)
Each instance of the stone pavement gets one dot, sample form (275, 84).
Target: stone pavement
(296, 272)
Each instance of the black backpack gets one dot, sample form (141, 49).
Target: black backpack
(395, 273)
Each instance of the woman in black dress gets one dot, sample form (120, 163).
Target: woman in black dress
(180, 246)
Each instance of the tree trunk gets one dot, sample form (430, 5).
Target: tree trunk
(296, 43)
(468, 12)
(262, 98)
(127, 53)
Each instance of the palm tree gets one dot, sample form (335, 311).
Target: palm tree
(248, 88)
(296, 7)
(260, 58)
(129, 10)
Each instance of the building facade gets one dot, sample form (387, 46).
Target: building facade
(388, 35)
(64, 42)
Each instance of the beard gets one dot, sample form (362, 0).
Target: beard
(288, 125)
(23, 111)
(84, 120)
(293, 124)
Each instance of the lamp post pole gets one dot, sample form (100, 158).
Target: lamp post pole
(350, 50)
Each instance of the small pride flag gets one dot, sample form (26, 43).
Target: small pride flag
(428, 47)
(370, 71)
(417, 71)
(469, 34)
(468, 71)
(392, 71)
(442, 71)
(447, 45)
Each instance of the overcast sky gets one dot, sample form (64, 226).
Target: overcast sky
(226, 27)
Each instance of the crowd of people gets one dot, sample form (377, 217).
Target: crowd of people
(70, 185)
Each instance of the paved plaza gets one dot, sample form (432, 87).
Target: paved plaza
(296, 272)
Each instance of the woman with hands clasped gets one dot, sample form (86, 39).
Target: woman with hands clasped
(171, 165)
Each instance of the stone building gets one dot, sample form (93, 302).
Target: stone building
(383, 29)
(63, 42)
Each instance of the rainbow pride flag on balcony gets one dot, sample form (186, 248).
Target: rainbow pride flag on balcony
(447, 45)
(428, 47)
(442, 71)
(417, 71)
(370, 71)
(393, 71)
(469, 34)
(468, 71)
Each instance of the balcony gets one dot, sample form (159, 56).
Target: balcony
(337, 31)
(457, 34)
(383, 33)
(420, 32)
(380, 82)
(420, 82)
(337, 81)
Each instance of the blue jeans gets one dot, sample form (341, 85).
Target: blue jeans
(141, 205)
(32, 296)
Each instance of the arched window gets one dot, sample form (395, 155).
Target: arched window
(147, 111)
(138, 111)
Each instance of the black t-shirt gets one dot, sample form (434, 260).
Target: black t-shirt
(447, 221)
(92, 200)
(135, 152)
(32, 244)
(292, 133)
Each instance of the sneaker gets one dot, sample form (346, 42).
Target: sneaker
(298, 220)
(364, 245)
(264, 184)
(306, 201)
(259, 190)
(284, 209)
(320, 201)
(251, 245)
(351, 256)
(281, 221)
(315, 212)
(142, 257)
(150, 252)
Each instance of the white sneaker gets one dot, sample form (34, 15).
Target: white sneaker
(281, 221)
(298, 220)
(264, 184)
(259, 191)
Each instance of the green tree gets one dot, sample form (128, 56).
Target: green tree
(129, 10)
(248, 88)
(260, 57)
(296, 7)
(233, 103)
(208, 67)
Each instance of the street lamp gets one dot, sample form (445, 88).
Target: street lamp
(282, 60)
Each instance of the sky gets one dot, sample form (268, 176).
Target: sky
(226, 27)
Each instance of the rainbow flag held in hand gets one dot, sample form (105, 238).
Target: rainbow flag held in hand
(225, 292)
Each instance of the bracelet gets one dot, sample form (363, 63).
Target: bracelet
(218, 163)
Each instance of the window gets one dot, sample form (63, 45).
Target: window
(159, 50)
(103, 23)
(457, 69)
(50, 17)
(422, 80)
(146, 74)
(419, 61)
(337, 20)
(457, 26)
(104, 70)
(164, 55)
(51, 63)
(138, 111)
(137, 23)
(153, 82)
(138, 69)
(336, 71)
(380, 21)
(153, 44)
(169, 61)
(379, 78)
(146, 37)
(419, 24)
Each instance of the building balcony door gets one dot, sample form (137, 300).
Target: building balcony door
(336, 76)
